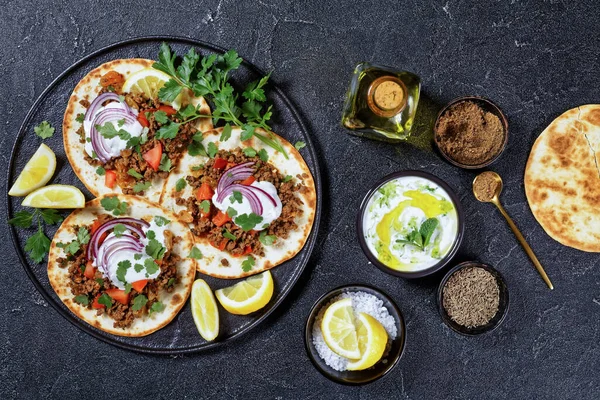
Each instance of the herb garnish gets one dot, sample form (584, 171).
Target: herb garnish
(208, 76)
(141, 186)
(157, 306)
(180, 184)
(248, 221)
(287, 178)
(100, 171)
(421, 238)
(122, 268)
(161, 221)
(229, 235)
(299, 145)
(212, 150)
(80, 117)
(205, 206)
(37, 244)
(195, 253)
(82, 299)
(113, 204)
(249, 152)
(165, 163)
(236, 196)
(134, 173)
(139, 302)
(105, 300)
(265, 239)
(248, 263)
(44, 130)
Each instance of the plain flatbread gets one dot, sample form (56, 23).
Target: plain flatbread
(138, 208)
(562, 178)
(87, 89)
(283, 249)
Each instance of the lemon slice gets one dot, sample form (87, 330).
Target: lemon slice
(247, 296)
(339, 331)
(204, 310)
(55, 196)
(37, 172)
(372, 339)
(147, 82)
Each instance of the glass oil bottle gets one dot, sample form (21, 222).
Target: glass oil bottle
(381, 103)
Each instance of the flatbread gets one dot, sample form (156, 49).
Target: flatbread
(138, 208)
(283, 249)
(87, 89)
(562, 178)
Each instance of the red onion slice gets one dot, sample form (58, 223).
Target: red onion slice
(97, 103)
(265, 193)
(237, 173)
(92, 249)
(248, 193)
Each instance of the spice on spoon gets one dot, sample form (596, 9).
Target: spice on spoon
(471, 297)
(469, 134)
(485, 186)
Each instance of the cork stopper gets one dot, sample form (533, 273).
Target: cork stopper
(387, 96)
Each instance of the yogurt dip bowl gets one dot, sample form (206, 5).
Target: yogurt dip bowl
(410, 224)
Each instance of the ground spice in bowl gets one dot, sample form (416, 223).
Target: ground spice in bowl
(471, 133)
(471, 297)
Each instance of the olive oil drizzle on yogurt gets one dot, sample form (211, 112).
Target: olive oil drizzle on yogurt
(401, 206)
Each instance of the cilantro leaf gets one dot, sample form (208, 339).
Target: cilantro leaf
(165, 163)
(248, 221)
(50, 216)
(155, 250)
(299, 145)
(247, 132)
(128, 288)
(83, 235)
(168, 131)
(170, 90)
(187, 112)
(134, 173)
(248, 263)
(205, 206)
(138, 267)
(141, 186)
(229, 235)
(157, 306)
(180, 184)
(226, 134)
(119, 229)
(161, 117)
(151, 266)
(161, 221)
(100, 282)
(236, 197)
(37, 245)
(287, 178)
(139, 302)
(249, 152)
(22, 219)
(212, 150)
(195, 253)
(44, 130)
(166, 60)
(122, 268)
(265, 239)
(100, 171)
(112, 203)
(262, 154)
(82, 299)
(105, 300)
(170, 282)
(137, 256)
(231, 212)
(196, 148)
(72, 248)
(80, 118)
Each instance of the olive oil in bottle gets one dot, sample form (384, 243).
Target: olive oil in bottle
(381, 103)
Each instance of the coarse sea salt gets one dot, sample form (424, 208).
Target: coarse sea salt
(361, 302)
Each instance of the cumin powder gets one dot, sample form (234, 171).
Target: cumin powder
(468, 134)
(485, 186)
(471, 297)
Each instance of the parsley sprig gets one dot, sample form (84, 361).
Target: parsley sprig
(37, 244)
(209, 77)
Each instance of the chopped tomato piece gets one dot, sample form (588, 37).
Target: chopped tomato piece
(112, 78)
(110, 178)
(97, 305)
(95, 225)
(247, 250)
(221, 218)
(248, 181)
(153, 156)
(205, 192)
(230, 165)
(220, 163)
(102, 237)
(90, 270)
(221, 246)
(139, 285)
(167, 109)
(118, 295)
(142, 119)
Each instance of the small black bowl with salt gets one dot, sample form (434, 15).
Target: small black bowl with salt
(371, 301)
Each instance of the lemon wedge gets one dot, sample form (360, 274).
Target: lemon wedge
(248, 295)
(372, 339)
(147, 81)
(339, 331)
(55, 196)
(204, 310)
(37, 172)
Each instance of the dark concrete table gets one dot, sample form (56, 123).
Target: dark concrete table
(535, 61)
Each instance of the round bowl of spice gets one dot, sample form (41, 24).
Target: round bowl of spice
(354, 334)
(473, 298)
(471, 132)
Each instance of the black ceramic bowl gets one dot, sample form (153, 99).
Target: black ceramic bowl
(427, 271)
(368, 375)
(502, 307)
(488, 106)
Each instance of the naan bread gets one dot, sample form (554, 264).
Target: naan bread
(87, 89)
(562, 178)
(138, 208)
(283, 249)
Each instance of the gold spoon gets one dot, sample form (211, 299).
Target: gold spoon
(496, 201)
